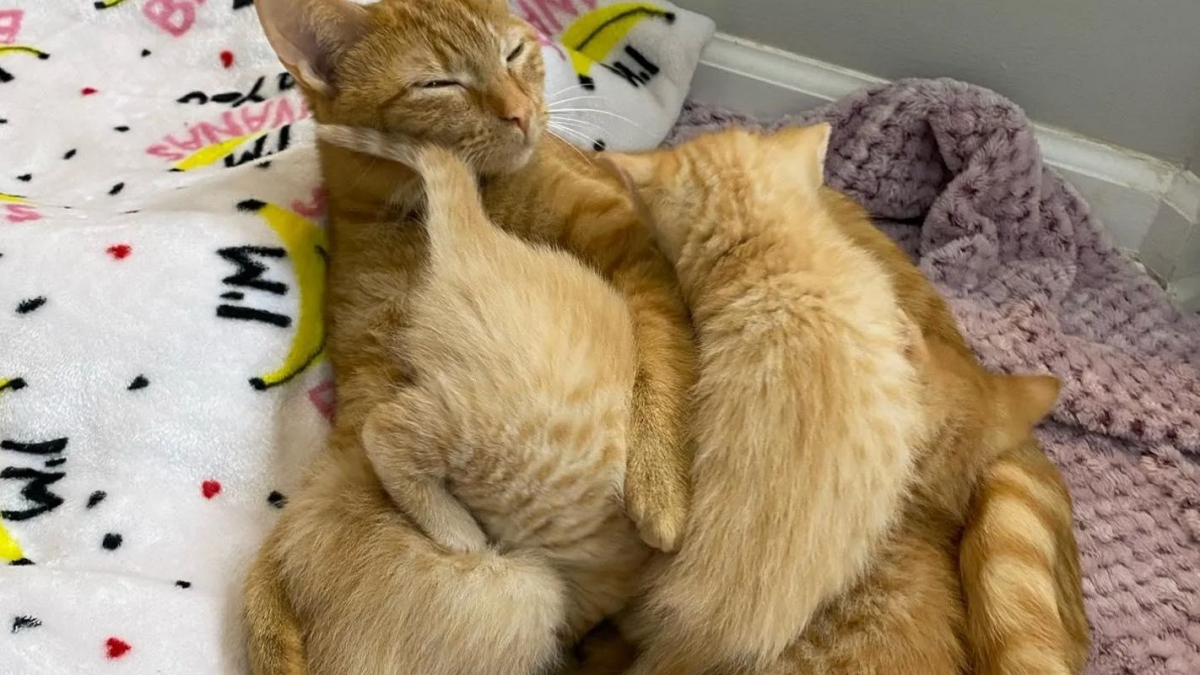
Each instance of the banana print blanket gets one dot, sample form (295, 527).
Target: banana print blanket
(162, 268)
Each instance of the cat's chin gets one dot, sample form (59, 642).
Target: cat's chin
(524, 155)
(513, 159)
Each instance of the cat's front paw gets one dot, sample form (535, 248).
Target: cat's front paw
(659, 512)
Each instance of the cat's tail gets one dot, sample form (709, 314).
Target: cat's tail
(454, 214)
(1020, 571)
(386, 601)
(455, 217)
(273, 638)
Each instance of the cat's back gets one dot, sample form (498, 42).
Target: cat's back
(916, 295)
(533, 355)
(521, 319)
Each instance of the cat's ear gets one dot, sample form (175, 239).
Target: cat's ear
(1027, 399)
(805, 148)
(309, 35)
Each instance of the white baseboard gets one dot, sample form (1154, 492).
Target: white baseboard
(1151, 207)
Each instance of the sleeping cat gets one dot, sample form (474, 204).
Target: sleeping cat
(327, 592)
(524, 365)
(312, 591)
(764, 254)
(784, 328)
(808, 410)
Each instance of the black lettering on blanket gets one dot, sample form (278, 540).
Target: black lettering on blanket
(235, 99)
(35, 491)
(640, 72)
(250, 271)
(251, 275)
(647, 68)
(37, 482)
(253, 96)
(260, 148)
(252, 314)
(53, 447)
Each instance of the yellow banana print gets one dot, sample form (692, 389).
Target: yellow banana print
(305, 244)
(13, 199)
(591, 37)
(213, 153)
(10, 550)
(11, 384)
(21, 49)
(106, 4)
(6, 76)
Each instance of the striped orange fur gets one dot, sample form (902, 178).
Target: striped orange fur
(328, 583)
(1051, 635)
(1020, 571)
(344, 571)
(710, 201)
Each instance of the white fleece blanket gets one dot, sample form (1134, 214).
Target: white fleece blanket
(161, 275)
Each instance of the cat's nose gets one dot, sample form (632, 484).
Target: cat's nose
(519, 116)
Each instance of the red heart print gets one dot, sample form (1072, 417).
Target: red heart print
(116, 647)
(227, 58)
(119, 251)
(87, 91)
(210, 488)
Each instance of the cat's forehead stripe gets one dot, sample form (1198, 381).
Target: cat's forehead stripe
(456, 27)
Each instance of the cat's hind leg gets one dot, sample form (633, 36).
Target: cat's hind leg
(400, 438)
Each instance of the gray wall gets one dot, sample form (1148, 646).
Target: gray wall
(1123, 71)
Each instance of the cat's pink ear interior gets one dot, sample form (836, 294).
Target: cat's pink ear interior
(807, 147)
(308, 35)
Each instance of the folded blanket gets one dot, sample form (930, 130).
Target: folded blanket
(161, 275)
(954, 174)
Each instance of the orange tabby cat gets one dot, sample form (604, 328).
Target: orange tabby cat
(327, 593)
(808, 406)
(308, 596)
(745, 239)
(1018, 564)
(517, 418)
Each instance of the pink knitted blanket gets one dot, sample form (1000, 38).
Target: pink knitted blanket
(953, 172)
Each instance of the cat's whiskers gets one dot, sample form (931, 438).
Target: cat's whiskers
(569, 144)
(577, 132)
(562, 91)
(576, 121)
(551, 104)
(574, 133)
(602, 112)
(590, 131)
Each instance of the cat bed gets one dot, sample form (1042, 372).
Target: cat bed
(161, 275)
(954, 174)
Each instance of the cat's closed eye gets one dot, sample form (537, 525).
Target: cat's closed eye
(439, 84)
(512, 56)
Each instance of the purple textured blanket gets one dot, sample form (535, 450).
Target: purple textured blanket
(954, 173)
